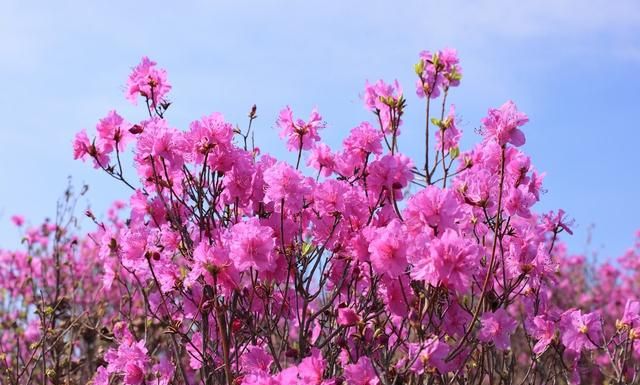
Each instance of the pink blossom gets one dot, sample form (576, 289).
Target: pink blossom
(300, 135)
(17, 220)
(195, 351)
(363, 140)
(130, 359)
(252, 246)
(133, 374)
(449, 260)
(210, 138)
(518, 202)
(311, 368)
(256, 359)
(347, 317)
(321, 159)
(578, 330)
(239, 179)
(163, 371)
(284, 183)
(390, 174)
(375, 94)
(631, 316)
(497, 327)
(397, 299)
(434, 208)
(380, 97)
(101, 377)
(361, 373)
(436, 71)
(259, 378)
(330, 197)
(552, 220)
(501, 125)
(113, 132)
(159, 140)
(288, 376)
(209, 260)
(147, 81)
(83, 147)
(388, 250)
(544, 330)
(430, 356)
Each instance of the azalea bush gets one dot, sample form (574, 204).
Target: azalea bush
(355, 265)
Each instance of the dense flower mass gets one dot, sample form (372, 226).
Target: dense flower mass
(228, 266)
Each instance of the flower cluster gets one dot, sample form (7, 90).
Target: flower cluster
(228, 266)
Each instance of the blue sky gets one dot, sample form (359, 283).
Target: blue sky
(571, 65)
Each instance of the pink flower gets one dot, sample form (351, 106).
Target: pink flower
(252, 246)
(330, 197)
(396, 297)
(347, 317)
(210, 138)
(579, 330)
(101, 377)
(284, 182)
(432, 207)
(321, 159)
(209, 260)
(159, 140)
(456, 320)
(288, 376)
(391, 173)
(544, 330)
(363, 140)
(299, 134)
(238, 181)
(552, 221)
(133, 374)
(502, 124)
(361, 373)
(431, 356)
(256, 360)
(449, 260)
(389, 250)
(497, 327)
(163, 371)
(83, 147)
(195, 351)
(518, 202)
(259, 378)
(631, 316)
(130, 360)
(113, 132)
(451, 63)
(148, 82)
(437, 70)
(17, 220)
(379, 97)
(374, 94)
(311, 368)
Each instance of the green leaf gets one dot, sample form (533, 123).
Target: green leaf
(306, 248)
(455, 152)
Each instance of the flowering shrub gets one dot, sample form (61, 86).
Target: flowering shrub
(228, 266)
